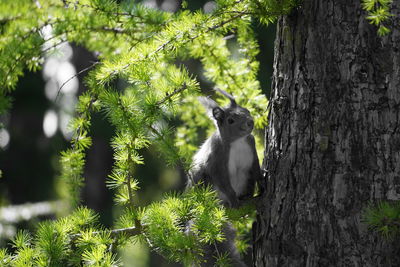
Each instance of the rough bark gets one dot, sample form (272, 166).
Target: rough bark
(333, 142)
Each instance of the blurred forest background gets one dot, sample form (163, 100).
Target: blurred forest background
(35, 131)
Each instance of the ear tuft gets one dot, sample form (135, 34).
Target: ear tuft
(227, 95)
(208, 103)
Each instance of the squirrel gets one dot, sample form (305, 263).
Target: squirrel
(228, 162)
(228, 159)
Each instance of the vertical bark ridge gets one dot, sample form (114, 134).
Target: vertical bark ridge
(333, 142)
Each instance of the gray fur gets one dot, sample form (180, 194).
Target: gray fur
(213, 166)
(212, 159)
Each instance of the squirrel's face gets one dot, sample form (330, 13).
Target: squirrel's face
(233, 122)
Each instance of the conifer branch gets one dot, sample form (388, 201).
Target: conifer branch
(165, 44)
(9, 19)
(54, 46)
(79, 130)
(227, 70)
(129, 231)
(24, 57)
(129, 178)
(180, 163)
(114, 30)
(169, 95)
(37, 29)
(77, 3)
(219, 25)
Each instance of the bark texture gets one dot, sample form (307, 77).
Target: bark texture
(333, 143)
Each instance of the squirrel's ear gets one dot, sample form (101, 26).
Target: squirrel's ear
(212, 107)
(218, 114)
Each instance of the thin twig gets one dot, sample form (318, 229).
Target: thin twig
(168, 96)
(130, 231)
(44, 51)
(69, 79)
(240, 14)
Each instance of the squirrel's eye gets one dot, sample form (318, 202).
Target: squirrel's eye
(231, 121)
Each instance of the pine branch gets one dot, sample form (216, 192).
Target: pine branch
(180, 163)
(97, 9)
(114, 30)
(86, 116)
(219, 25)
(129, 180)
(165, 44)
(168, 96)
(24, 57)
(77, 3)
(9, 19)
(129, 231)
(226, 70)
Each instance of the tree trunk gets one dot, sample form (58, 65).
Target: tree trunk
(333, 142)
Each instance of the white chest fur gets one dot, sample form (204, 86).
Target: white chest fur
(240, 161)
